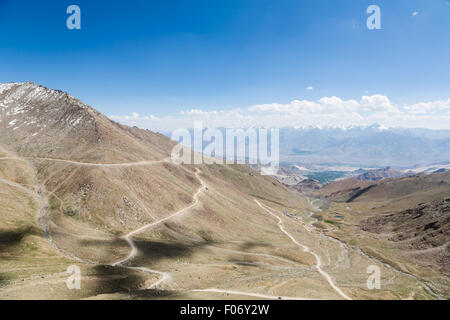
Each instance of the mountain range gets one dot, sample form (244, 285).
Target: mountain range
(365, 146)
(375, 146)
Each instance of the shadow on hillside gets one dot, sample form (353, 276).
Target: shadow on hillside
(153, 251)
(114, 242)
(109, 279)
(100, 250)
(10, 238)
(253, 244)
(156, 294)
(244, 263)
(149, 251)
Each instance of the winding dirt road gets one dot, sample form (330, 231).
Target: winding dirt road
(20, 187)
(105, 165)
(250, 294)
(134, 249)
(306, 249)
(42, 218)
(362, 253)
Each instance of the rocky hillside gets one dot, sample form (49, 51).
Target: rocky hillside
(418, 187)
(39, 122)
(379, 174)
(422, 227)
(307, 186)
(424, 231)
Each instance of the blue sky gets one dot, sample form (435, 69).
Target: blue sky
(161, 57)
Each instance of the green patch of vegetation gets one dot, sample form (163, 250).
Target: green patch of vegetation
(54, 204)
(40, 170)
(70, 212)
(335, 223)
(31, 247)
(325, 177)
(165, 235)
(116, 232)
(206, 235)
(32, 205)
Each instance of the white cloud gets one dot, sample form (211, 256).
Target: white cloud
(415, 13)
(310, 88)
(429, 107)
(337, 104)
(327, 111)
(135, 115)
(377, 103)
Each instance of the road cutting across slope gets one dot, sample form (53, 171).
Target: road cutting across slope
(106, 165)
(306, 249)
(43, 217)
(134, 249)
(20, 187)
(249, 294)
(164, 275)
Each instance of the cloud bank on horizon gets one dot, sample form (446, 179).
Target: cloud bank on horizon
(325, 112)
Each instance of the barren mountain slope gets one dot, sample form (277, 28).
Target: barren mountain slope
(342, 190)
(437, 183)
(40, 122)
(380, 174)
(423, 230)
(109, 199)
(413, 189)
(403, 222)
(30, 267)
